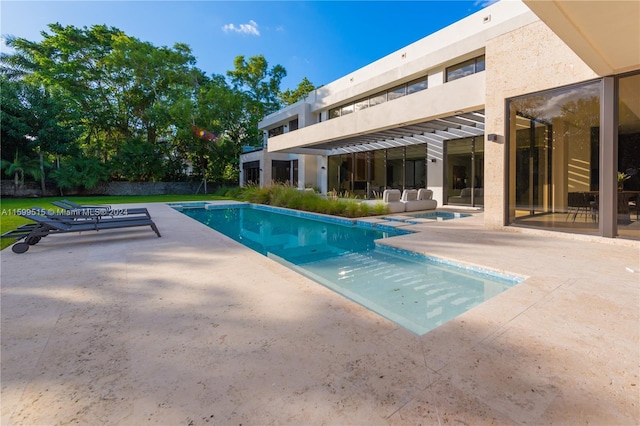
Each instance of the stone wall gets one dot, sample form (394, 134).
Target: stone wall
(32, 189)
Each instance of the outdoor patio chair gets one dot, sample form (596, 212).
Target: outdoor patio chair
(45, 225)
(580, 203)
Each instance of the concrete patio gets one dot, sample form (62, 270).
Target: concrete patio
(125, 328)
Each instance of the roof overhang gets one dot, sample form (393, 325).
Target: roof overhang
(604, 34)
(438, 130)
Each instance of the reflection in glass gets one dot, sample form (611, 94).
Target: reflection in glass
(395, 168)
(629, 156)
(553, 151)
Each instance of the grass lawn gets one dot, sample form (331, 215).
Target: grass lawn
(8, 206)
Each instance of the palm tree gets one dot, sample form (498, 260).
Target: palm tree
(20, 167)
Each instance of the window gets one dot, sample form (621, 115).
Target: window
(417, 85)
(276, 131)
(465, 68)
(293, 125)
(480, 63)
(347, 109)
(397, 92)
(389, 95)
(553, 151)
(251, 172)
(362, 104)
(378, 99)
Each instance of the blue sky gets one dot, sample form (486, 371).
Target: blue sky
(320, 40)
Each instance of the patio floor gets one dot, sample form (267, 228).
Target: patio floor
(193, 328)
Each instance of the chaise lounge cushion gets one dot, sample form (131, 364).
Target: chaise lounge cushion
(421, 199)
(391, 197)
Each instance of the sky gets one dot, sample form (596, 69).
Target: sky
(321, 40)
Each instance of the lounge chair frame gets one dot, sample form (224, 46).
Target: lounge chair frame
(46, 225)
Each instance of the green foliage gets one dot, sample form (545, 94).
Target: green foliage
(20, 167)
(138, 161)
(101, 94)
(80, 172)
(293, 198)
(289, 97)
(259, 82)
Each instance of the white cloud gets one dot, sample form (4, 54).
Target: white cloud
(251, 28)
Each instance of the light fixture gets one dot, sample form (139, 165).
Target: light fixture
(323, 167)
(492, 137)
(433, 160)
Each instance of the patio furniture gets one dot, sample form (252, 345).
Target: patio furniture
(46, 225)
(391, 197)
(418, 199)
(73, 209)
(580, 203)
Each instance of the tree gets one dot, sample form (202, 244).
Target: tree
(19, 168)
(118, 87)
(34, 123)
(83, 172)
(289, 97)
(259, 87)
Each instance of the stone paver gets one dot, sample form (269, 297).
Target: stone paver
(193, 328)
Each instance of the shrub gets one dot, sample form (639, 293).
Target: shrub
(292, 198)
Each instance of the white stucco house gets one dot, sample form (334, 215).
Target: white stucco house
(528, 109)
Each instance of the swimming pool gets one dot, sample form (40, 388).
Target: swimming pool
(345, 255)
(435, 216)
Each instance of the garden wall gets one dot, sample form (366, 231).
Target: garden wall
(32, 189)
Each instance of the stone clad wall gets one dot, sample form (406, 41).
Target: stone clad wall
(527, 60)
(32, 189)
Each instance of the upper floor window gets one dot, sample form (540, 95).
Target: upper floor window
(378, 99)
(397, 92)
(293, 125)
(465, 68)
(417, 85)
(347, 109)
(276, 131)
(363, 104)
(381, 97)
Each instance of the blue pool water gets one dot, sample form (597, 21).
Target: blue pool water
(439, 215)
(416, 292)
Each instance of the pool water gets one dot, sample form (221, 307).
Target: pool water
(413, 291)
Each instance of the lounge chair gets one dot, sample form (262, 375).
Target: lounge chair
(47, 225)
(73, 209)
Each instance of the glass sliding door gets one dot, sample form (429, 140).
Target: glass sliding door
(415, 173)
(465, 171)
(553, 159)
(533, 158)
(377, 172)
(628, 163)
(333, 173)
(395, 168)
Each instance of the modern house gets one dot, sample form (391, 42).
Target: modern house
(529, 110)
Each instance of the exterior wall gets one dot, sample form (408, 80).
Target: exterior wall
(526, 60)
(464, 94)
